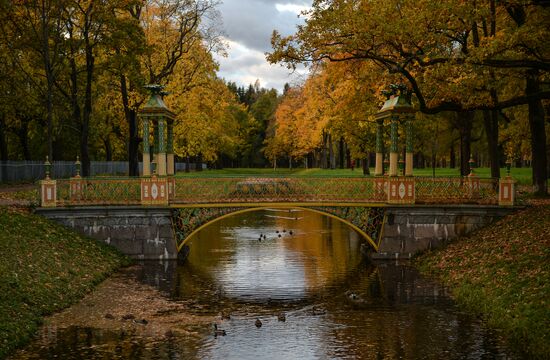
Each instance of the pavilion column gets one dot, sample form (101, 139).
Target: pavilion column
(409, 147)
(170, 170)
(146, 147)
(394, 155)
(155, 145)
(161, 156)
(378, 169)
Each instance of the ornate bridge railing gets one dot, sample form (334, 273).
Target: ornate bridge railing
(99, 191)
(455, 190)
(241, 191)
(251, 190)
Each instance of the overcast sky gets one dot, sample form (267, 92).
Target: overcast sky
(247, 25)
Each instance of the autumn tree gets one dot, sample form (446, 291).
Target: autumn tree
(170, 31)
(444, 50)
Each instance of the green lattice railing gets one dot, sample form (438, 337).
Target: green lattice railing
(237, 190)
(454, 190)
(100, 191)
(248, 190)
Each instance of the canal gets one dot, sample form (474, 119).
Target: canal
(301, 274)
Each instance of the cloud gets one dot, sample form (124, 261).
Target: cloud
(293, 8)
(244, 66)
(248, 25)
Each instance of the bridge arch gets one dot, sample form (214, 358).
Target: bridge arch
(367, 221)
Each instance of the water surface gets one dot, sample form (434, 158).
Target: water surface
(305, 265)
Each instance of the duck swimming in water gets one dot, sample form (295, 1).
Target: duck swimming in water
(225, 315)
(218, 332)
(281, 316)
(258, 323)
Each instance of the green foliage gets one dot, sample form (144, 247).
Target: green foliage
(48, 268)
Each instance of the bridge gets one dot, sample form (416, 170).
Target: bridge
(396, 216)
(154, 215)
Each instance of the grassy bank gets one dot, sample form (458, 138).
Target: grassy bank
(43, 268)
(503, 273)
(521, 175)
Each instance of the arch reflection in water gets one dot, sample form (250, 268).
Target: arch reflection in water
(278, 254)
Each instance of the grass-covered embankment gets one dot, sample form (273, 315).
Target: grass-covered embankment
(522, 176)
(44, 267)
(503, 273)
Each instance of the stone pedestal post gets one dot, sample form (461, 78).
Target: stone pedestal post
(48, 188)
(154, 191)
(401, 190)
(506, 191)
(48, 193)
(394, 155)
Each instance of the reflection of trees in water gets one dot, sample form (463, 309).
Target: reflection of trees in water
(404, 316)
(88, 343)
(328, 248)
(325, 247)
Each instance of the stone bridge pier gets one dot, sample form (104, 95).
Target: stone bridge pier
(390, 232)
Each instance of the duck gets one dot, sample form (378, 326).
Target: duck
(225, 316)
(318, 311)
(258, 323)
(284, 230)
(277, 231)
(290, 232)
(281, 316)
(218, 332)
(354, 298)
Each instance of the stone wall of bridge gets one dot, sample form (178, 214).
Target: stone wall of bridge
(146, 232)
(139, 232)
(409, 230)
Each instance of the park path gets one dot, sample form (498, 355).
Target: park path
(10, 195)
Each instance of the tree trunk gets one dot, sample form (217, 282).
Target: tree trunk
(3, 150)
(23, 135)
(538, 136)
(341, 153)
(331, 156)
(365, 163)
(108, 148)
(133, 134)
(324, 158)
(198, 163)
(452, 157)
(3, 142)
(88, 107)
(187, 164)
(465, 124)
(490, 121)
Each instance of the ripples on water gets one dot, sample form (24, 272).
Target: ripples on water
(337, 306)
